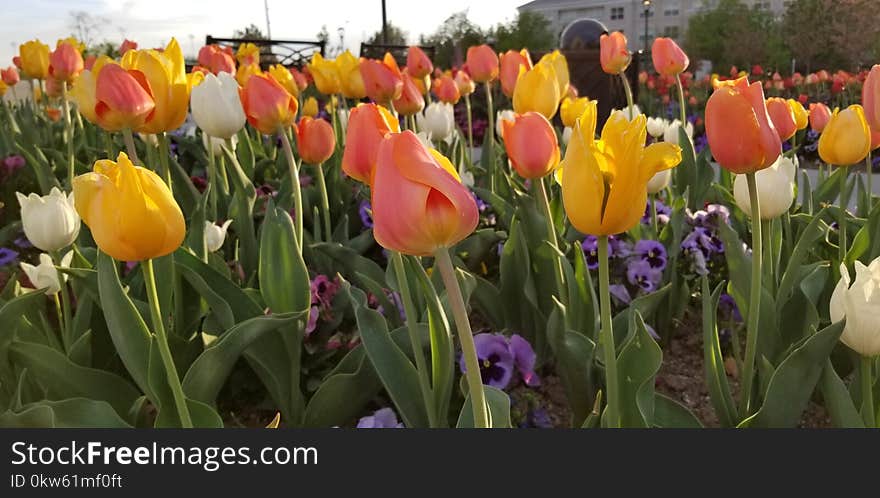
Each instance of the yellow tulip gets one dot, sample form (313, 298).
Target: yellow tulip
(604, 189)
(572, 109)
(801, 117)
(34, 59)
(248, 54)
(283, 76)
(350, 79)
(3, 88)
(537, 90)
(310, 107)
(244, 73)
(129, 209)
(326, 75)
(166, 73)
(560, 67)
(846, 138)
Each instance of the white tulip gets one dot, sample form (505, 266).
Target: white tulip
(775, 189)
(636, 111)
(45, 275)
(438, 120)
(215, 235)
(657, 127)
(659, 181)
(217, 143)
(425, 139)
(566, 135)
(500, 116)
(216, 106)
(671, 133)
(50, 222)
(342, 115)
(149, 138)
(860, 305)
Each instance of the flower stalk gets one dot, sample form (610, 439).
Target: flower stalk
(754, 301)
(607, 337)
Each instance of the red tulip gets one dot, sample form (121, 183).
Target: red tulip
(267, 105)
(367, 126)
(418, 63)
(446, 90)
(122, 98)
(782, 117)
(613, 53)
(820, 114)
(531, 144)
(65, 63)
(411, 100)
(482, 63)
(871, 98)
(10, 75)
(315, 140)
(382, 79)
(511, 61)
(126, 46)
(669, 59)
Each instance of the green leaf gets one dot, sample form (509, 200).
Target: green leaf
(644, 305)
(68, 413)
(243, 213)
(499, 410)
(669, 414)
(284, 278)
(638, 363)
(574, 364)
(805, 244)
(837, 400)
(713, 362)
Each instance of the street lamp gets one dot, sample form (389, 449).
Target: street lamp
(647, 4)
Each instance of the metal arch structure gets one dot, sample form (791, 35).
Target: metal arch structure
(378, 50)
(285, 52)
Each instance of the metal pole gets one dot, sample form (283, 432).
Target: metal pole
(384, 25)
(268, 29)
(647, 11)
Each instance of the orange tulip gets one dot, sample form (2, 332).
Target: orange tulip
(531, 144)
(482, 63)
(217, 59)
(367, 125)
(419, 203)
(410, 100)
(126, 46)
(871, 98)
(669, 59)
(782, 116)
(875, 139)
(613, 54)
(302, 82)
(122, 98)
(465, 84)
(10, 75)
(65, 63)
(90, 62)
(382, 79)
(53, 113)
(510, 64)
(53, 87)
(315, 140)
(741, 135)
(418, 63)
(446, 90)
(820, 114)
(267, 105)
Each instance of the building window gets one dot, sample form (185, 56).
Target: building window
(762, 5)
(670, 9)
(650, 14)
(616, 13)
(670, 32)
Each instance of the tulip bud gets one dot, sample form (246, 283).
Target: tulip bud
(411, 100)
(531, 145)
(349, 70)
(482, 63)
(669, 59)
(859, 303)
(315, 140)
(282, 75)
(438, 120)
(325, 74)
(10, 75)
(671, 133)
(34, 57)
(418, 63)
(446, 89)
(500, 117)
(560, 69)
(657, 127)
(820, 114)
(45, 275)
(775, 189)
(537, 90)
(846, 138)
(571, 109)
(659, 181)
(50, 222)
(782, 117)
(613, 53)
(248, 54)
(126, 46)
(310, 107)
(741, 135)
(465, 84)
(216, 107)
(871, 98)
(129, 209)
(65, 63)
(800, 114)
(382, 79)
(419, 203)
(267, 104)
(215, 235)
(511, 61)
(367, 125)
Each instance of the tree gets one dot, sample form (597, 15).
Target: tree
(253, 32)
(85, 26)
(801, 41)
(396, 36)
(832, 33)
(529, 30)
(452, 39)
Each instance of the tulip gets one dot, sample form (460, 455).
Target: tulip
(511, 61)
(283, 76)
(418, 63)
(659, 181)
(800, 114)
(65, 63)
(411, 100)
(215, 235)
(446, 89)
(248, 54)
(636, 111)
(325, 74)
(165, 72)
(482, 63)
(217, 59)
(776, 189)
(560, 69)
(367, 126)
(531, 145)
(820, 114)
(45, 275)
(216, 107)
(84, 89)
(846, 138)
(669, 59)
(438, 120)
(465, 84)
(122, 99)
(871, 97)
(671, 133)
(613, 53)
(3, 88)
(537, 90)
(244, 73)
(267, 104)
(315, 140)
(126, 46)
(34, 59)
(859, 303)
(216, 144)
(604, 185)
(382, 79)
(9, 75)
(53, 87)
(741, 135)
(351, 82)
(310, 107)
(500, 117)
(657, 127)
(50, 222)
(571, 109)
(419, 204)
(302, 81)
(129, 209)
(53, 113)
(782, 116)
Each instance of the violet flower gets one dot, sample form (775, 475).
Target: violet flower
(640, 273)
(495, 359)
(728, 307)
(590, 246)
(365, 210)
(383, 418)
(620, 292)
(7, 256)
(653, 252)
(524, 359)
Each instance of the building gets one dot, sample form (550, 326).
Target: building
(668, 18)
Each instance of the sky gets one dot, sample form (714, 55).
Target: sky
(152, 23)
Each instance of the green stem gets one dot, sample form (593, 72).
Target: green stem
(414, 338)
(754, 311)
(654, 224)
(212, 180)
(681, 104)
(325, 202)
(62, 323)
(164, 157)
(767, 239)
(65, 304)
(162, 342)
(867, 382)
(541, 193)
(297, 191)
(9, 114)
(842, 242)
(466, 337)
(489, 134)
(869, 171)
(128, 138)
(467, 104)
(68, 132)
(611, 383)
(629, 103)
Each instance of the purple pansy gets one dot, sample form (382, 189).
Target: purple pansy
(728, 307)
(651, 251)
(498, 356)
(365, 210)
(663, 212)
(7, 256)
(23, 242)
(524, 359)
(640, 273)
(620, 292)
(383, 418)
(590, 246)
(481, 205)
